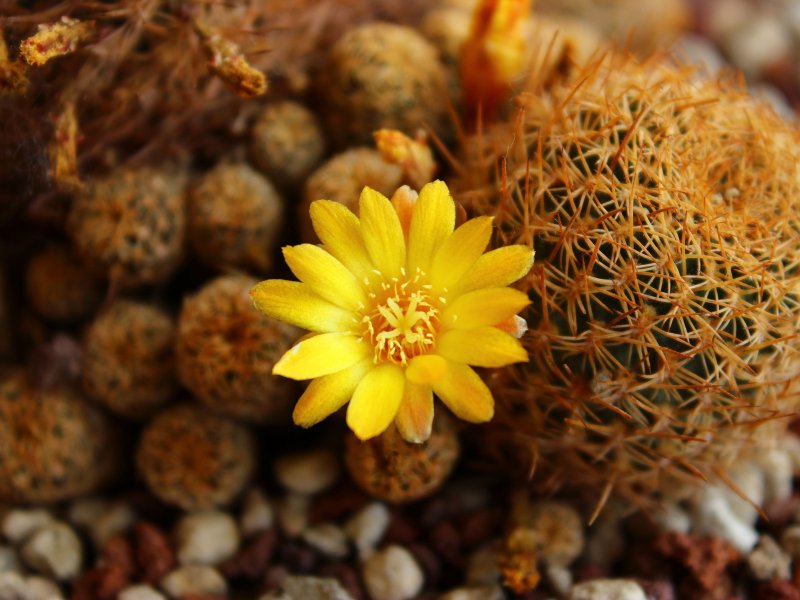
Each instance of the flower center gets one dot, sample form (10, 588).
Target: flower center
(401, 320)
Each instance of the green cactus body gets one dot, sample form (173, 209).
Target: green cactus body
(665, 214)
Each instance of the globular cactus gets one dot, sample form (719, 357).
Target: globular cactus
(665, 214)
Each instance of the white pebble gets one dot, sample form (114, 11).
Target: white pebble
(102, 519)
(257, 513)
(791, 442)
(483, 566)
(559, 578)
(308, 472)
(328, 538)
(478, 592)
(309, 588)
(140, 592)
(293, 514)
(392, 574)
(367, 527)
(768, 560)
(194, 579)
(712, 515)
(700, 51)
(749, 477)
(757, 44)
(40, 588)
(13, 586)
(778, 472)
(790, 541)
(607, 589)
(672, 517)
(206, 537)
(19, 524)
(54, 550)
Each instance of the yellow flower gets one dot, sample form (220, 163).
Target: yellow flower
(399, 305)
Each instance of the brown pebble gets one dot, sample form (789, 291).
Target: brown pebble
(203, 597)
(274, 576)
(153, 552)
(479, 527)
(345, 498)
(85, 586)
(429, 562)
(705, 558)
(402, 530)
(445, 539)
(117, 568)
(298, 558)
(777, 589)
(252, 560)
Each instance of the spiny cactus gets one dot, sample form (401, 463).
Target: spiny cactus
(665, 214)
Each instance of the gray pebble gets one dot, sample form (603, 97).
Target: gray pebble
(293, 514)
(790, 541)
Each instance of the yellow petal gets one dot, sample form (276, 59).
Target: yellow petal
(465, 394)
(325, 395)
(481, 347)
(484, 307)
(459, 252)
(340, 232)
(432, 221)
(498, 268)
(295, 303)
(415, 415)
(325, 275)
(383, 235)
(426, 368)
(320, 355)
(376, 400)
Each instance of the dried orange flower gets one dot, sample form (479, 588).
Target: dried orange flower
(399, 305)
(230, 65)
(55, 39)
(63, 149)
(414, 156)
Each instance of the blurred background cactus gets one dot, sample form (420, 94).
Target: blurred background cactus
(663, 326)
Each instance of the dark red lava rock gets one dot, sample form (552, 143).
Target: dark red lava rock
(252, 560)
(777, 589)
(153, 552)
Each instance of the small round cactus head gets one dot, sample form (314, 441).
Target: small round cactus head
(342, 178)
(234, 217)
(192, 458)
(664, 210)
(53, 445)
(382, 75)
(130, 225)
(392, 469)
(128, 359)
(226, 350)
(286, 143)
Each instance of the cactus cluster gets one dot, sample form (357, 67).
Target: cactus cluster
(665, 214)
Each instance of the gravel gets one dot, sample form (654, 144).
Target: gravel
(206, 538)
(308, 472)
(608, 589)
(54, 550)
(257, 513)
(367, 527)
(19, 524)
(200, 580)
(392, 574)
